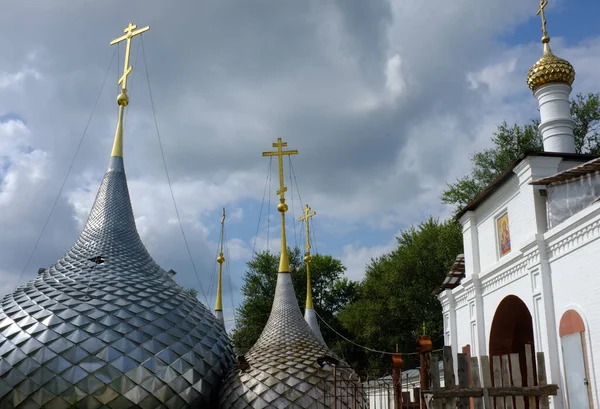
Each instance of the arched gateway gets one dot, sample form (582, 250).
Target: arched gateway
(512, 330)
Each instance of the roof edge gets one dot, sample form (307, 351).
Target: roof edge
(507, 173)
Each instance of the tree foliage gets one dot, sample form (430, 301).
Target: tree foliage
(508, 142)
(331, 292)
(193, 292)
(396, 296)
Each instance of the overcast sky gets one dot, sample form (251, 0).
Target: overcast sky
(385, 101)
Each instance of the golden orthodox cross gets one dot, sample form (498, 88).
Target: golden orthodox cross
(543, 4)
(279, 153)
(130, 32)
(306, 217)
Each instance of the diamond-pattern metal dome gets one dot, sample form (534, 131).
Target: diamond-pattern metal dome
(281, 369)
(121, 334)
(550, 69)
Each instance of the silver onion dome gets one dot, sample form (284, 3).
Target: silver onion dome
(282, 369)
(115, 332)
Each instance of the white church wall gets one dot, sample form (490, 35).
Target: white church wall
(470, 244)
(513, 278)
(526, 211)
(574, 256)
(503, 200)
(462, 319)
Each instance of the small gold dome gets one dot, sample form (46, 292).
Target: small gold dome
(550, 69)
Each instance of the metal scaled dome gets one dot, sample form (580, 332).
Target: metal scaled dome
(286, 366)
(105, 326)
(550, 69)
(121, 334)
(282, 370)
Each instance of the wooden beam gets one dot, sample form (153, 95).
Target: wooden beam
(506, 381)
(530, 371)
(542, 380)
(498, 380)
(487, 381)
(502, 391)
(476, 382)
(516, 378)
(463, 379)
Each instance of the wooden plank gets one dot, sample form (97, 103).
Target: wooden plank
(463, 378)
(498, 381)
(516, 378)
(435, 376)
(406, 399)
(476, 382)
(497, 392)
(530, 371)
(542, 379)
(449, 380)
(486, 373)
(506, 381)
(435, 384)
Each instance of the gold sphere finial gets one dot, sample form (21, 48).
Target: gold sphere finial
(282, 207)
(123, 99)
(307, 258)
(220, 259)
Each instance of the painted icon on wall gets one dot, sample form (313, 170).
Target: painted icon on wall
(503, 235)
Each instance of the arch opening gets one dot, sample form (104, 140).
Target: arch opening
(511, 331)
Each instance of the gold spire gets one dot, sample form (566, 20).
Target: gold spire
(220, 260)
(284, 264)
(130, 31)
(307, 258)
(549, 68)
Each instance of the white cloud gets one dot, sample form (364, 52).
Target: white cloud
(375, 96)
(393, 73)
(238, 250)
(236, 214)
(356, 257)
(15, 79)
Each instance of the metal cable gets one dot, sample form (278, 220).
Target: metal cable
(367, 348)
(269, 211)
(162, 153)
(293, 173)
(68, 173)
(293, 212)
(262, 205)
(229, 276)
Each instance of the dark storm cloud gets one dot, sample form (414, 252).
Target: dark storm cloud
(374, 94)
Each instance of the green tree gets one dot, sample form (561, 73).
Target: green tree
(396, 296)
(331, 292)
(508, 142)
(193, 292)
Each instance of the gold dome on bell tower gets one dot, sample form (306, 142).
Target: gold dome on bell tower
(550, 68)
